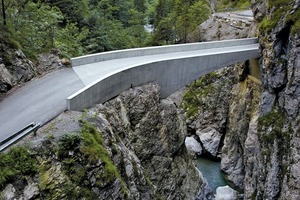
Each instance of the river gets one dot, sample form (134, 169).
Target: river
(211, 171)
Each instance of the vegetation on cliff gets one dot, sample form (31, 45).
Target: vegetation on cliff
(16, 165)
(281, 12)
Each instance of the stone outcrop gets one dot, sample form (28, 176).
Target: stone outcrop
(218, 29)
(16, 68)
(156, 131)
(210, 139)
(206, 104)
(132, 147)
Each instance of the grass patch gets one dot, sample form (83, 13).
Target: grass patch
(16, 164)
(93, 148)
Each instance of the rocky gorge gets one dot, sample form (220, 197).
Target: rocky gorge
(129, 148)
(132, 147)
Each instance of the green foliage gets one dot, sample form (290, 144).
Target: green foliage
(73, 11)
(267, 24)
(233, 4)
(69, 40)
(175, 19)
(88, 26)
(279, 11)
(274, 119)
(294, 19)
(68, 142)
(8, 39)
(192, 99)
(93, 148)
(25, 22)
(189, 15)
(16, 164)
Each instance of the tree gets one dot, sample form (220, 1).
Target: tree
(136, 27)
(189, 14)
(140, 5)
(3, 13)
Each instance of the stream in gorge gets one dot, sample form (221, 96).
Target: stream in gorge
(211, 171)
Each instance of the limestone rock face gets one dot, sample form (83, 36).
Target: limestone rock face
(48, 62)
(16, 68)
(206, 103)
(156, 131)
(132, 147)
(9, 192)
(244, 106)
(260, 152)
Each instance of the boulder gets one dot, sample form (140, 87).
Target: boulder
(8, 193)
(5, 79)
(210, 139)
(193, 146)
(226, 193)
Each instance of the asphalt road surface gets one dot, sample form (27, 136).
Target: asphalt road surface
(38, 101)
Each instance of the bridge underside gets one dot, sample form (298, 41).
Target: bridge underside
(170, 73)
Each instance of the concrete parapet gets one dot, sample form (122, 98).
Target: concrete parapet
(127, 53)
(170, 74)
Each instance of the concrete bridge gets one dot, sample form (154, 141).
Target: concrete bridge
(100, 77)
(108, 74)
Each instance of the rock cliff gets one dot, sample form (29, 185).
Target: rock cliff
(261, 145)
(260, 110)
(14, 67)
(130, 148)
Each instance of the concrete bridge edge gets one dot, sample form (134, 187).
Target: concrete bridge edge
(171, 75)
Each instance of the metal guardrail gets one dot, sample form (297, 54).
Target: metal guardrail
(32, 127)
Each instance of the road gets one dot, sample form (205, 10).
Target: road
(38, 101)
(246, 15)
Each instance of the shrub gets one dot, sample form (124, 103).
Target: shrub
(16, 164)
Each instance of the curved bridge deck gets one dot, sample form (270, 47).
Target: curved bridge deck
(105, 75)
(108, 74)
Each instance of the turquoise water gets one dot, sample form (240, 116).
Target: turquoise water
(211, 171)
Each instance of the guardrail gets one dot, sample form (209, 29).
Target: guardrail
(33, 127)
